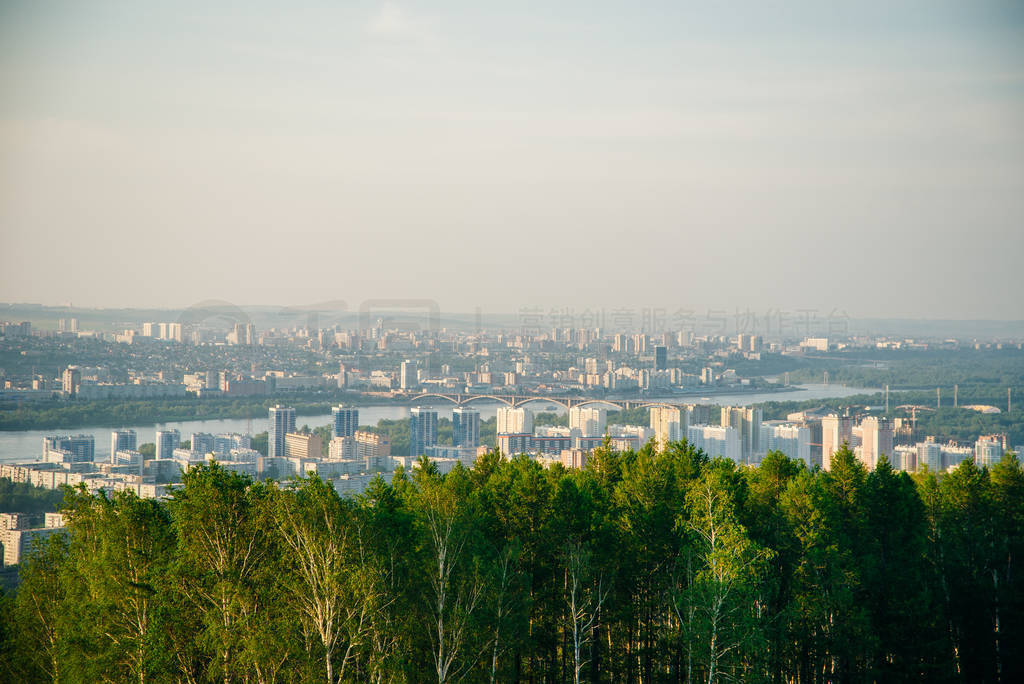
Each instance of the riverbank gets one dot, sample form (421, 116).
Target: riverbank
(72, 415)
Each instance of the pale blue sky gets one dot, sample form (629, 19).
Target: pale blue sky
(754, 155)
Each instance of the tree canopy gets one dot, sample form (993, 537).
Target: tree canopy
(642, 567)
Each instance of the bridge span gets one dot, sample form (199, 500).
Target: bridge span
(517, 400)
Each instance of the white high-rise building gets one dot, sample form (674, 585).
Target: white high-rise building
(122, 440)
(989, 450)
(465, 427)
(669, 424)
(203, 442)
(716, 440)
(282, 421)
(422, 430)
(792, 440)
(514, 421)
(166, 442)
(929, 453)
(876, 440)
(590, 422)
(747, 423)
(343, 448)
(408, 376)
(835, 431)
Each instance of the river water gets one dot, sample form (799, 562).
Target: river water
(27, 445)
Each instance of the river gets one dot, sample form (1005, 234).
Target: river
(27, 445)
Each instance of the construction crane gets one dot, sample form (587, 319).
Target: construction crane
(914, 408)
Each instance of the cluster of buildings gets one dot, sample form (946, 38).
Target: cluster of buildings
(71, 460)
(744, 437)
(740, 434)
(875, 436)
(527, 374)
(20, 531)
(352, 457)
(587, 430)
(355, 452)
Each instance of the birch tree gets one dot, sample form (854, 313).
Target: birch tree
(729, 566)
(222, 527)
(505, 602)
(332, 588)
(37, 610)
(455, 588)
(585, 594)
(120, 552)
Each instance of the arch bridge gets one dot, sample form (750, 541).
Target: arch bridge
(518, 400)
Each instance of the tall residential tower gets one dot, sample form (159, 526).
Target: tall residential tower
(282, 421)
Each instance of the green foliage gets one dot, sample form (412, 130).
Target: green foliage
(979, 373)
(551, 418)
(260, 442)
(647, 566)
(23, 497)
(325, 433)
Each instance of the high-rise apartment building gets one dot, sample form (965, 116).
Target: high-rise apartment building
(590, 422)
(422, 430)
(465, 427)
(929, 453)
(122, 440)
(282, 421)
(836, 430)
(243, 334)
(747, 423)
(408, 378)
(71, 380)
(343, 448)
(224, 443)
(989, 450)
(669, 424)
(716, 440)
(175, 333)
(203, 442)
(374, 449)
(514, 421)
(346, 421)
(512, 444)
(73, 448)
(301, 445)
(792, 440)
(166, 442)
(876, 440)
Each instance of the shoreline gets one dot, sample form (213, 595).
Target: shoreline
(112, 414)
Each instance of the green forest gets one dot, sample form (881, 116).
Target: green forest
(643, 567)
(23, 497)
(68, 415)
(983, 374)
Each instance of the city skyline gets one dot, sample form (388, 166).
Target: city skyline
(407, 341)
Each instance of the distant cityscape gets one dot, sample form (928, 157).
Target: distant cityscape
(647, 383)
(163, 360)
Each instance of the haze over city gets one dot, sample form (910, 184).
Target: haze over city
(867, 158)
(597, 342)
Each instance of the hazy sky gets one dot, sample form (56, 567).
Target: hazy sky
(561, 154)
